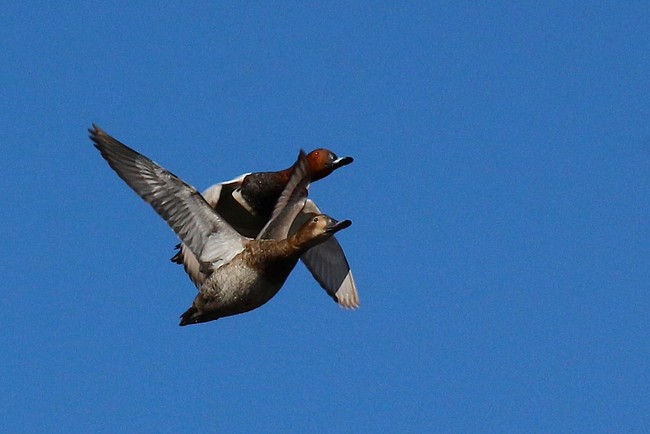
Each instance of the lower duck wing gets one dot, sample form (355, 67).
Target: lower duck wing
(328, 265)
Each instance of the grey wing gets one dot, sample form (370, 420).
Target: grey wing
(328, 264)
(177, 202)
(290, 202)
(184, 256)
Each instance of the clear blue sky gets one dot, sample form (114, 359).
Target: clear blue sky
(500, 196)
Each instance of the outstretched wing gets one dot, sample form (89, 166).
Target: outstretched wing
(210, 238)
(290, 202)
(328, 265)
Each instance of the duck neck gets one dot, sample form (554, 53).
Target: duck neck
(273, 258)
(282, 176)
(272, 250)
(316, 174)
(303, 242)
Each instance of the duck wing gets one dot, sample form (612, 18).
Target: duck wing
(219, 197)
(328, 264)
(217, 192)
(222, 199)
(290, 202)
(184, 209)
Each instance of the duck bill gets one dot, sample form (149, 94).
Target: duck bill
(343, 161)
(334, 226)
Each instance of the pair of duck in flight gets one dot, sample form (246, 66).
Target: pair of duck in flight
(242, 238)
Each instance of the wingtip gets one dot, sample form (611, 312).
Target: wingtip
(94, 130)
(347, 296)
(302, 165)
(95, 134)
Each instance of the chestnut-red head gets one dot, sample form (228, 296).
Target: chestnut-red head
(322, 162)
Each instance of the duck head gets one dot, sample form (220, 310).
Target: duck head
(318, 229)
(322, 162)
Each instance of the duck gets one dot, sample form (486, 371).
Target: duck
(242, 273)
(246, 203)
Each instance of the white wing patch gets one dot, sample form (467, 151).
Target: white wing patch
(212, 194)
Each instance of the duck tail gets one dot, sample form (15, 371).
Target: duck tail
(177, 258)
(189, 316)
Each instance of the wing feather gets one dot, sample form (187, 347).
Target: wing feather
(328, 265)
(178, 203)
(290, 202)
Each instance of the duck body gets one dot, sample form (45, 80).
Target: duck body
(260, 191)
(240, 273)
(247, 282)
(247, 202)
(257, 273)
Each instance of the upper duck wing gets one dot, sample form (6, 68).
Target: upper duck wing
(188, 214)
(290, 202)
(328, 265)
(219, 197)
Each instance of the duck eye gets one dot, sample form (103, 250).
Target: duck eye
(315, 220)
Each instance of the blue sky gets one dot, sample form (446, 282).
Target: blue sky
(500, 199)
